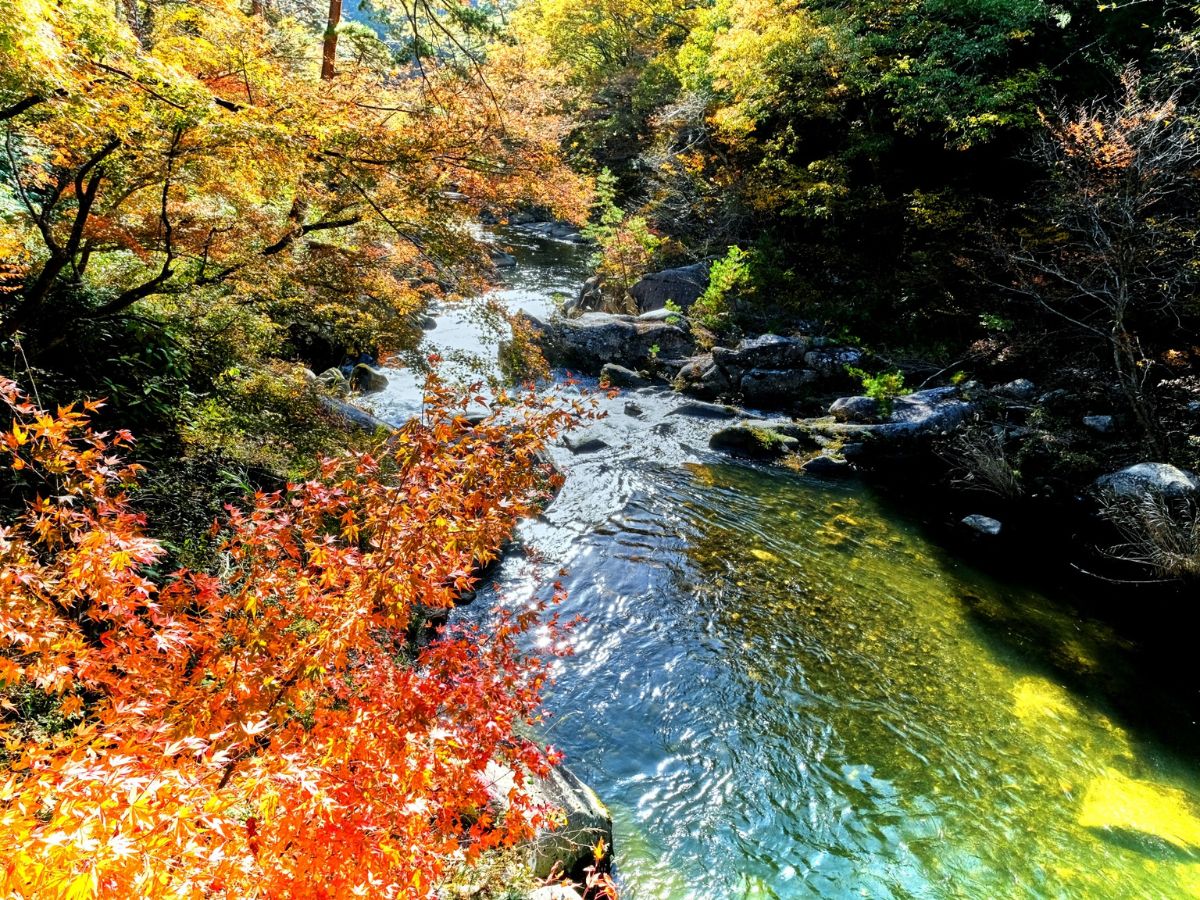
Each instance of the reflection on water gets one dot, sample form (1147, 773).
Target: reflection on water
(784, 690)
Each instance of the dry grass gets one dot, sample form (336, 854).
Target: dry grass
(1158, 534)
(979, 461)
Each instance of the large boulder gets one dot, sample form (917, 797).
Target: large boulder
(831, 362)
(581, 820)
(367, 379)
(583, 823)
(860, 410)
(1154, 479)
(702, 377)
(754, 440)
(915, 419)
(682, 286)
(593, 339)
(767, 351)
(775, 388)
(621, 377)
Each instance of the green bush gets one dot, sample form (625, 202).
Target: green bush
(883, 388)
(729, 280)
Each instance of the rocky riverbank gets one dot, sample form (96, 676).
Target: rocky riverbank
(996, 458)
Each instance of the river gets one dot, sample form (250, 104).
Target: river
(785, 688)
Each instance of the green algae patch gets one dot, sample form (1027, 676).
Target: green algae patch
(1115, 802)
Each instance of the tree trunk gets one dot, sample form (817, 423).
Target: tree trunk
(329, 50)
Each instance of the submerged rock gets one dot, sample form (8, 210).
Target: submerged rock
(1143, 810)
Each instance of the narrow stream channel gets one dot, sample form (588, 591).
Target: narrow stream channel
(785, 689)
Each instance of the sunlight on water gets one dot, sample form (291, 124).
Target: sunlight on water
(785, 691)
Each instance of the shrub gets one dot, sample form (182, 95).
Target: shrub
(267, 729)
(883, 388)
(729, 279)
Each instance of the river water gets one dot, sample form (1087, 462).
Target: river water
(786, 689)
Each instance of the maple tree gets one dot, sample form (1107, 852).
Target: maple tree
(270, 729)
(198, 151)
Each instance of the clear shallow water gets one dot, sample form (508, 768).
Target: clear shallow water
(785, 690)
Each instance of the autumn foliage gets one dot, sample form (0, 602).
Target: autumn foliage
(269, 729)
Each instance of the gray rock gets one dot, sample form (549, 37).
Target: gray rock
(593, 339)
(984, 525)
(427, 323)
(862, 410)
(1022, 389)
(827, 466)
(697, 409)
(1159, 479)
(367, 379)
(753, 440)
(775, 387)
(587, 821)
(335, 381)
(682, 286)
(619, 376)
(768, 351)
(832, 362)
(937, 410)
(526, 217)
(553, 231)
(502, 260)
(590, 299)
(915, 420)
(703, 378)
(662, 315)
(584, 444)
(1100, 424)
(633, 410)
